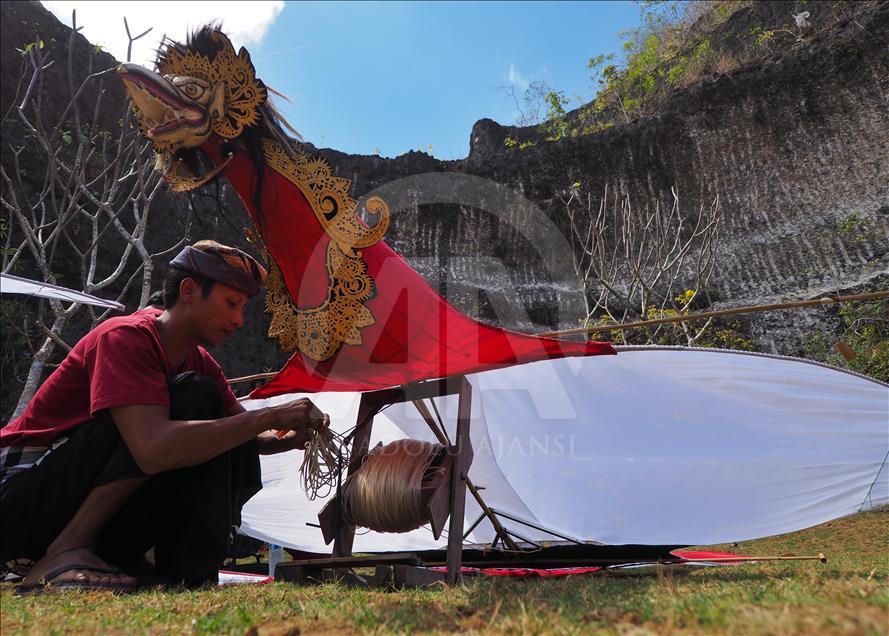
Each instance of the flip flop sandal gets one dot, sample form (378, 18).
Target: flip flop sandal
(46, 583)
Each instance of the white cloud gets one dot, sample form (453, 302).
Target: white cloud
(245, 23)
(515, 78)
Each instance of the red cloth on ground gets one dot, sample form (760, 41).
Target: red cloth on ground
(416, 335)
(118, 363)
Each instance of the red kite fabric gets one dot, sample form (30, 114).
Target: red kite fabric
(415, 334)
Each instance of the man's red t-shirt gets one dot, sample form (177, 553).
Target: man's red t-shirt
(120, 362)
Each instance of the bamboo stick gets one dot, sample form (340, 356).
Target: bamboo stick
(721, 312)
(820, 557)
(251, 378)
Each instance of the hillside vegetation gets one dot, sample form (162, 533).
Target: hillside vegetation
(679, 44)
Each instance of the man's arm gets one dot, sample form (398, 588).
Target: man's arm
(159, 444)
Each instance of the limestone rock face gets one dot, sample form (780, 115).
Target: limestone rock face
(797, 150)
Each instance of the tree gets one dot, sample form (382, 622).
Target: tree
(541, 106)
(636, 264)
(77, 192)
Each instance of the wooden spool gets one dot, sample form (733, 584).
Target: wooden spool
(435, 492)
(444, 483)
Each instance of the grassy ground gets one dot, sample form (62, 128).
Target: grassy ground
(848, 595)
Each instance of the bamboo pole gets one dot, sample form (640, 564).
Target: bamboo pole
(721, 312)
(251, 378)
(736, 559)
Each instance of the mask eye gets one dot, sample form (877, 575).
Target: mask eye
(191, 87)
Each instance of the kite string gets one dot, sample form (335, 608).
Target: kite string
(874, 483)
(385, 494)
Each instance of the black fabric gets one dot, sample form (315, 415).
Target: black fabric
(186, 515)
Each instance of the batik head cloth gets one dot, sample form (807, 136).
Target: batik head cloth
(227, 265)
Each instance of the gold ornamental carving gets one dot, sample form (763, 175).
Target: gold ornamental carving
(329, 198)
(319, 332)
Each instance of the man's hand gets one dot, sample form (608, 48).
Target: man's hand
(289, 440)
(294, 423)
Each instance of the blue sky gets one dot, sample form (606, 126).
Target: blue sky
(392, 77)
(389, 77)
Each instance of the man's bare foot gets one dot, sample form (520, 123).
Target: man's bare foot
(82, 556)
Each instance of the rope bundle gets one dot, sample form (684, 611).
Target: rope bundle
(385, 494)
(321, 462)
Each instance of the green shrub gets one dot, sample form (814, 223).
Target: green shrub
(866, 331)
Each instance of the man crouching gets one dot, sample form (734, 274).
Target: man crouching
(136, 441)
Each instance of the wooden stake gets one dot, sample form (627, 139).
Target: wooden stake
(498, 528)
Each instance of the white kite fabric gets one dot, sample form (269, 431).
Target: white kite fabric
(652, 446)
(10, 284)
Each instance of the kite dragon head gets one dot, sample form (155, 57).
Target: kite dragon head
(202, 91)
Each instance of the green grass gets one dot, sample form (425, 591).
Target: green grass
(848, 595)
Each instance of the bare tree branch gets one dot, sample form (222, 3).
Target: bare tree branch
(88, 203)
(636, 263)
